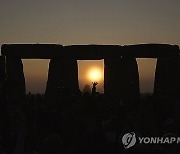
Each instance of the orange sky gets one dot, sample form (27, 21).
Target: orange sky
(36, 73)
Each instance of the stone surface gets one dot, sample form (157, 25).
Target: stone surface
(15, 74)
(16, 103)
(113, 78)
(62, 77)
(32, 51)
(167, 78)
(150, 50)
(89, 52)
(2, 69)
(93, 52)
(121, 78)
(130, 79)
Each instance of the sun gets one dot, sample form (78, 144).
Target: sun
(95, 74)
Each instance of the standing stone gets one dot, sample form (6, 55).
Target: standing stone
(62, 77)
(131, 91)
(166, 88)
(121, 78)
(2, 75)
(122, 85)
(2, 96)
(2, 69)
(130, 79)
(113, 78)
(16, 102)
(14, 68)
(167, 78)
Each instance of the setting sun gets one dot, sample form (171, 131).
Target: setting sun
(95, 74)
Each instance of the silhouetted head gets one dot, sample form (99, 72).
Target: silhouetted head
(87, 89)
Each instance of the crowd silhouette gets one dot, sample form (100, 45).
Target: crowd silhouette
(88, 122)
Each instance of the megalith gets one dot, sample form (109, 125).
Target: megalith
(113, 78)
(130, 88)
(2, 69)
(130, 79)
(2, 78)
(167, 78)
(121, 78)
(15, 74)
(16, 103)
(62, 77)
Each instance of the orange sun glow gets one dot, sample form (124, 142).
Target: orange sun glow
(95, 74)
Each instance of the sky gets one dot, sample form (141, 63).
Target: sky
(70, 22)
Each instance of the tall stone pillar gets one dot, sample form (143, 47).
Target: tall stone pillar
(166, 88)
(131, 92)
(62, 77)
(121, 78)
(2, 95)
(16, 104)
(113, 78)
(15, 74)
(2, 69)
(167, 78)
(130, 79)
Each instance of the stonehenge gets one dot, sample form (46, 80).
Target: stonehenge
(21, 122)
(121, 76)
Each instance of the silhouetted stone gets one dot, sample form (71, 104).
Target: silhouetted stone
(32, 51)
(2, 69)
(121, 78)
(113, 77)
(167, 78)
(130, 79)
(96, 52)
(62, 77)
(16, 102)
(150, 50)
(93, 52)
(15, 74)
(72, 116)
(2, 80)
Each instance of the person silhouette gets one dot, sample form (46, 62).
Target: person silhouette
(94, 88)
(86, 89)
